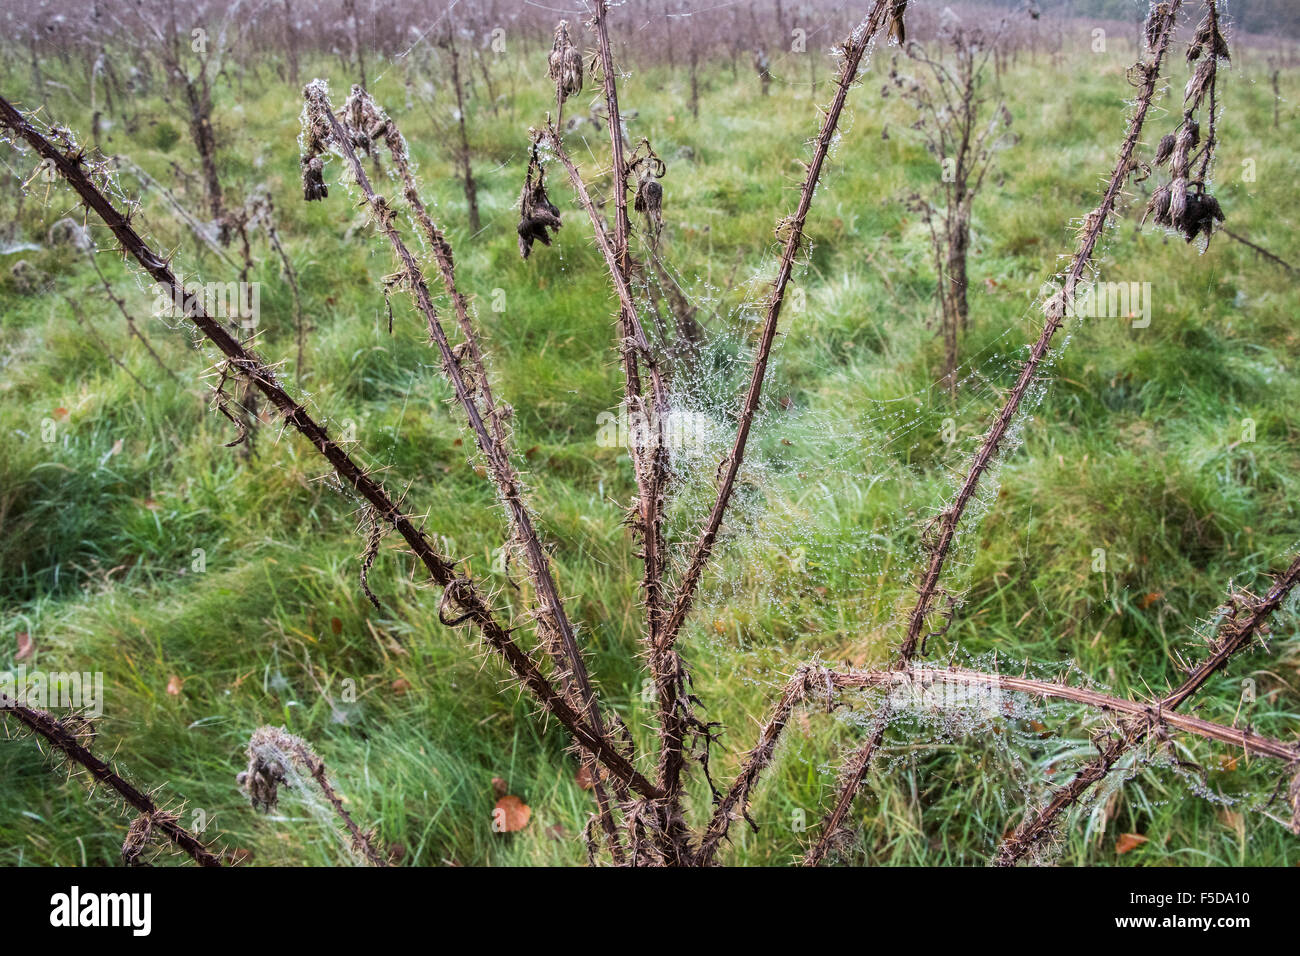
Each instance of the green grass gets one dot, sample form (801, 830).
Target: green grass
(1134, 449)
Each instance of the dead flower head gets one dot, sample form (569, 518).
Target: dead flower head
(648, 170)
(565, 66)
(269, 749)
(538, 216)
(1189, 212)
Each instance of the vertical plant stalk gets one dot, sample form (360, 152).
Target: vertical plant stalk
(58, 736)
(649, 453)
(461, 595)
(650, 461)
(651, 466)
(463, 152)
(855, 769)
(1234, 634)
(556, 630)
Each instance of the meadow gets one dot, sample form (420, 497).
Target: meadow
(217, 591)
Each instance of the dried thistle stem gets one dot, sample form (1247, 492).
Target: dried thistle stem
(461, 592)
(58, 736)
(1234, 634)
(1162, 22)
(556, 632)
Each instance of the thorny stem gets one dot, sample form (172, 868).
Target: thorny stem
(736, 800)
(1233, 635)
(58, 736)
(665, 666)
(856, 766)
(853, 52)
(650, 464)
(297, 748)
(670, 675)
(460, 592)
(360, 839)
(811, 682)
(494, 444)
(1156, 712)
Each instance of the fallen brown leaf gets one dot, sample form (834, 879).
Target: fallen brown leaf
(510, 815)
(1128, 842)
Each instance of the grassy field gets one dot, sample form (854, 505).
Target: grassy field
(1136, 448)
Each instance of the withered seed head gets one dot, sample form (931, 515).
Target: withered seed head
(565, 65)
(1165, 149)
(313, 179)
(538, 216)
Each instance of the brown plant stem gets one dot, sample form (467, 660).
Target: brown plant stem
(558, 632)
(811, 682)
(1233, 635)
(853, 51)
(460, 592)
(672, 754)
(651, 467)
(858, 763)
(58, 736)
(649, 462)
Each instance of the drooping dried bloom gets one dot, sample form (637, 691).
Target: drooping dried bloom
(538, 216)
(897, 29)
(649, 201)
(565, 66)
(315, 141)
(268, 751)
(1208, 38)
(313, 179)
(1155, 26)
(364, 121)
(1189, 212)
(1165, 149)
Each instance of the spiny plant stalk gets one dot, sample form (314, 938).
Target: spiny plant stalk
(1234, 634)
(1160, 28)
(555, 629)
(461, 595)
(811, 683)
(852, 53)
(651, 463)
(649, 452)
(1155, 712)
(58, 735)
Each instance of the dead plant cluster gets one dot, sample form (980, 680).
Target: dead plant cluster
(641, 813)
